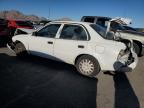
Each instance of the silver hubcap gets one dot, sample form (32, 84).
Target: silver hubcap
(86, 66)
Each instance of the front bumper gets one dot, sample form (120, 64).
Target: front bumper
(11, 45)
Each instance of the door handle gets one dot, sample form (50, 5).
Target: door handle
(80, 46)
(50, 42)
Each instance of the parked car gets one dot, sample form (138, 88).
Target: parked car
(78, 43)
(118, 24)
(128, 28)
(4, 31)
(140, 29)
(14, 24)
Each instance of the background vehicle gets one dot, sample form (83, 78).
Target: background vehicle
(81, 44)
(125, 31)
(129, 28)
(4, 31)
(14, 24)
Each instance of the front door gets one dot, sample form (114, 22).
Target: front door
(42, 43)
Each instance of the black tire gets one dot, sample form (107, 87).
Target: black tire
(137, 48)
(84, 69)
(20, 50)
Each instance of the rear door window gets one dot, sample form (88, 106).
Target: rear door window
(73, 32)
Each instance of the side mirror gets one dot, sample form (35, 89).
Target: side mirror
(110, 35)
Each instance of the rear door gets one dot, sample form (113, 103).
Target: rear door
(72, 41)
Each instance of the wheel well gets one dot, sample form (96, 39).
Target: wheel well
(138, 43)
(78, 57)
(17, 42)
(82, 55)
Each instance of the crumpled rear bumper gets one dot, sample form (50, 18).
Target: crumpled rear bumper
(121, 67)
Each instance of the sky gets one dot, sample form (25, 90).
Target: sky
(75, 9)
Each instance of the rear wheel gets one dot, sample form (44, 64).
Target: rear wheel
(20, 50)
(88, 66)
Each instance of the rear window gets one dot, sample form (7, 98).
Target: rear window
(24, 23)
(99, 29)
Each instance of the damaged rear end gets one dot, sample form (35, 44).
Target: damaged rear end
(127, 58)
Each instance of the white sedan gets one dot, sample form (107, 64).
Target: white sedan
(81, 44)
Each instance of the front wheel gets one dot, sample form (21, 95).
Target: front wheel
(88, 66)
(20, 50)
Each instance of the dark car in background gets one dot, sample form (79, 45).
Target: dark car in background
(4, 31)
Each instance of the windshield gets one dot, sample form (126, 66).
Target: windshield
(99, 29)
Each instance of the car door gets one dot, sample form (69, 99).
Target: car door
(42, 42)
(71, 42)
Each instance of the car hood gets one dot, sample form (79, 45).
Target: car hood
(24, 31)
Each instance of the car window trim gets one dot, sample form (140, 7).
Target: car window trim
(48, 25)
(86, 31)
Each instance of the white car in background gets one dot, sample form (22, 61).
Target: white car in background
(78, 43)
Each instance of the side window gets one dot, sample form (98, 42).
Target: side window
(49, 31)
(73, 32)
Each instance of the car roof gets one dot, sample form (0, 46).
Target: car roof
(71, 22)
(96, 17)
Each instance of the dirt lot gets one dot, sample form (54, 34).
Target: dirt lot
(41, 83)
